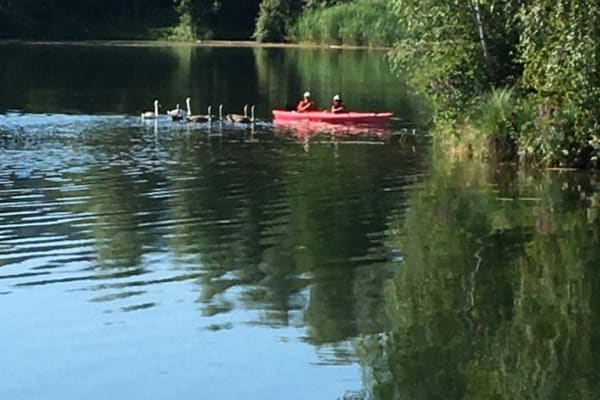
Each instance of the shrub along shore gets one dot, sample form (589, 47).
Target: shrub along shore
(517, 80)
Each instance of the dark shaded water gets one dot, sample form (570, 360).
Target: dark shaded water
(162, 260)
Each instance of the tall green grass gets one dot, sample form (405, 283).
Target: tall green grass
(491, 129)
(495, 116)
(358, 23)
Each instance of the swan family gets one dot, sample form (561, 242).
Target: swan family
(178, 114)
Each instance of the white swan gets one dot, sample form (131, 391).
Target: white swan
(219, 116)
(151, 114)
(196, 118)
(177, 114)
(242, 118)
(210, 115)
(188, 103)
(251, 119)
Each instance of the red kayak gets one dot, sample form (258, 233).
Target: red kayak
(331, 118)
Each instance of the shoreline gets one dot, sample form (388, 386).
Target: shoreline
(197, 43)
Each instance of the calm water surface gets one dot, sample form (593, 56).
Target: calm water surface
(163, 260)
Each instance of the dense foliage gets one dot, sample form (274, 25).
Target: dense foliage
(560, 48)
(222, 19)
(82, 19)
(274, 19)
(360, 22)
(79, 19)
(462, 60)
(548, 50)
(264, 20)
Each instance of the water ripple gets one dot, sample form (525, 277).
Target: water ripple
(110, 206)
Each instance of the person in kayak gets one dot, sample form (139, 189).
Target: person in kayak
(306, 104)
(338, 105)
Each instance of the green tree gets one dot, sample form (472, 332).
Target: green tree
(207, 19)
(196, 16)
(456, 51)
(549, 50)
(82, 19)
(274, 19)
(560, 50)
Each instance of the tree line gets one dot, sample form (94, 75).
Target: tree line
(81, 19)
(524, 74)
(198, 19)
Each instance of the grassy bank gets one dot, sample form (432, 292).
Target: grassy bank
(507, 124)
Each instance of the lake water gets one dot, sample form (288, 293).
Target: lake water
(156, 259)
